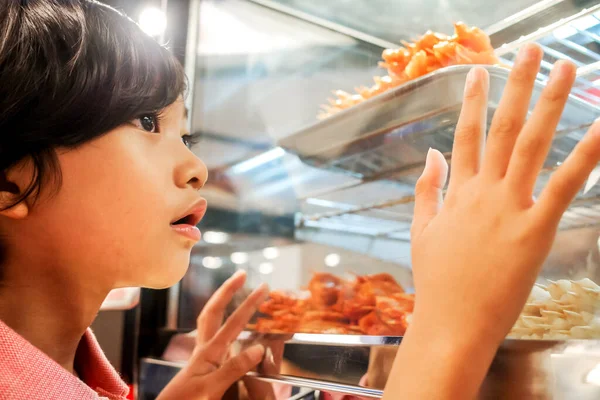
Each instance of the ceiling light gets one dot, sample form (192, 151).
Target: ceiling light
(265, 268)
(332, 260)
(239, 257)
(271, 253)
(153, 21)
(215, 237)
(212, 262)
(261, 159)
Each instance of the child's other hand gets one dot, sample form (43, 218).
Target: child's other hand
(210, 373)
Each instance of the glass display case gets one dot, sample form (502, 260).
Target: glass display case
(336, 196)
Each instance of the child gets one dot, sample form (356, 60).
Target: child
(98, 190)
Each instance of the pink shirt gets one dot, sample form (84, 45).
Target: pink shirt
(28, 373)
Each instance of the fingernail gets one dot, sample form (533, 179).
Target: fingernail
(238, 273)
(471, 80)
(522, 55)
(261, 288)
(269, 356)
(561, 69)
(262, 292)
(527, 52)
(256, 352)
(592, 180)
(428, 157)
(477, 82)
(594, 129)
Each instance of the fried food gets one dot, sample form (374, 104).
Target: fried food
(378, 305)
(371, 305)
(468, 45)
(561, 310)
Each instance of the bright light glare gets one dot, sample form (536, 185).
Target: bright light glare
(576, 26)
(153, 21)
(593, 377)
(265, 268)
(212, 262)
(332, 260)
(271, 253)
(215, 237)
(239, 258)
(259, 160)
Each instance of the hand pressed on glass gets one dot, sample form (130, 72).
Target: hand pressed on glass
(211, 371)
(477, 253)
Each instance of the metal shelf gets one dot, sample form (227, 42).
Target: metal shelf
(361, 209)
(577, 39)
(392, 217)
(563, 367)
(384, 140)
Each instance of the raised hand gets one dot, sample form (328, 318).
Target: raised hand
(210, 371)
(477, 252)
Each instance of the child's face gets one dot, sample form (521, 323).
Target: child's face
(110, 223)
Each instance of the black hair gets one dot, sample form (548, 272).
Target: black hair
(70, 71)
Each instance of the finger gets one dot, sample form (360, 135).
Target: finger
(270, 365)
(570, 177)
(264, 390)
(238, 321)
(211, 317)
(512, 111)
(428, 191)
(534, 142)
(236, 367)
(258, 390)
(470, 129)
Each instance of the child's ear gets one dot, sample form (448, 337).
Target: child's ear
(9, 193)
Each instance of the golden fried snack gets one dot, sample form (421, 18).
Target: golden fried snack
(468, 45)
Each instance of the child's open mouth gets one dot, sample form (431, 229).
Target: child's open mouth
(186, 225)
(187, 220)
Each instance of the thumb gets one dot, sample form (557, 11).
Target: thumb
(428, 191)
(236, 367)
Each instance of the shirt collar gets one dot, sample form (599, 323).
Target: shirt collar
(27, 372)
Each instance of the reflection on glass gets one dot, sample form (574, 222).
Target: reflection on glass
(261, 75)
(394, 20)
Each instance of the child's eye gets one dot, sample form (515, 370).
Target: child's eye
(147, 122)
(190, 140)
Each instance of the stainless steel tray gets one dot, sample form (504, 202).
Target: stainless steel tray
(522, 369)
(403, 123)
(387, 138)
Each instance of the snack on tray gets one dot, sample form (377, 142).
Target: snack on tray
(370, 305)
(431, 52)
(377, 305)
(562, 310)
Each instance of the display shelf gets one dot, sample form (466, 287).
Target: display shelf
(386, 139)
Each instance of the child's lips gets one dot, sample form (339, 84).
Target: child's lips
(193, 215)
(186, 224)
(190, 231)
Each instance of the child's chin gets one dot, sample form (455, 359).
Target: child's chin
(167, 277)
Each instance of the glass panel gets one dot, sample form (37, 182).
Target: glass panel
(396, 20)
(261, 75)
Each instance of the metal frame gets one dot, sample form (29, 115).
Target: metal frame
(563, 366)
(587, 61)
(533, 18)
(325, 386)
(363, 37)
(587, 88)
